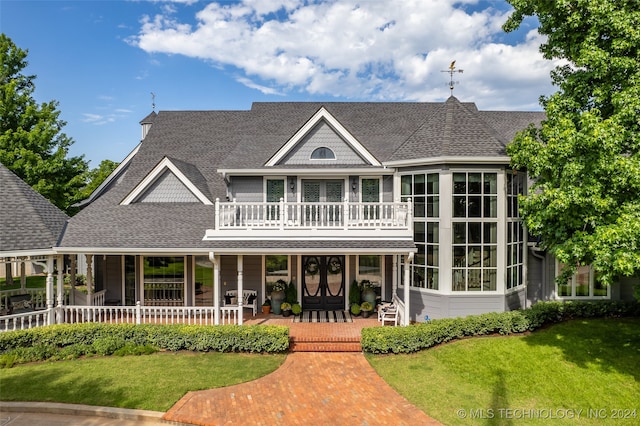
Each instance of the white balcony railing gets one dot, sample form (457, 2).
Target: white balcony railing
(300, 215)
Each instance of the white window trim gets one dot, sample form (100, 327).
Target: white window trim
(573, 287)
(382, 274)
(335, 157)
(264, 273)
(264, 186)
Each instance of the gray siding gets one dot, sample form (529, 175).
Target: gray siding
(322, 135)
(451, 306)
(387, 189)
(515, 300)
(167, 189)
(247, 189)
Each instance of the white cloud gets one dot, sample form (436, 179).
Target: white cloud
(375, 50)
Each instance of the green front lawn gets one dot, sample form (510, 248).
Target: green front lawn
(577, 365)
(150, 382)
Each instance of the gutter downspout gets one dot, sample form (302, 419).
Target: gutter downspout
(216, 287)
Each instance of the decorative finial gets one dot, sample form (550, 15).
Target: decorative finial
(452, 70)
(153, 101)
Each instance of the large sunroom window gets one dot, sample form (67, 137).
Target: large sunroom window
(583, 284)
(474, 229)
(516, 185)
(424, 190)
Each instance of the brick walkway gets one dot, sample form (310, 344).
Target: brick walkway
(337, 388)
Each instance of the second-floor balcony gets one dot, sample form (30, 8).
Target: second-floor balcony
(311, 216)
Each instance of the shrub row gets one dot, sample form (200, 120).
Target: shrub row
(67, 341)
(383, 340)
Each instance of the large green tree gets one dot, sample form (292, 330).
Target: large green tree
(585, 158)
(32, 144)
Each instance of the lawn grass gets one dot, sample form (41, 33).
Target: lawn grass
(577, 365)
(150, 382)
(33, 281)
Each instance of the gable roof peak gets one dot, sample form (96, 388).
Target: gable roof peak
(149, 119)
(322, 115)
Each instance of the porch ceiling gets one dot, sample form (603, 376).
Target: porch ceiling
(398, 246)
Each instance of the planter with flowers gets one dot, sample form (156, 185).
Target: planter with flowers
(286, 309)
(277, 296)
(368, 292)
(366, 308)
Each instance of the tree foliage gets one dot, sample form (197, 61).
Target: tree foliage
(585, 158)
(32, 144)
(96, 176)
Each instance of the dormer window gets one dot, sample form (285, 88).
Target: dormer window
(323, 153)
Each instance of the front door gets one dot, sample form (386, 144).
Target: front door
(323, 282)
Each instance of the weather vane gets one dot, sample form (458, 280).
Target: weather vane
(452, 70)
(153, 101)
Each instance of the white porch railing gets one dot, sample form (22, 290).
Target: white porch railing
(400, 304)
(192, 315)
(293, 215)
(38, 296)
(24, 320)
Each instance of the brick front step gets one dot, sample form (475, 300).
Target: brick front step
(324, 345)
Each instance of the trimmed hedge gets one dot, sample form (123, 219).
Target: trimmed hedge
(68, 341)
(384, 340)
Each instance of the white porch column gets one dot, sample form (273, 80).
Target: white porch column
(394, 276)
(60, 280)
(49, 289)
(240, 289)
(89, 280)
(407, 290)
(216, 286)
(23, 275)
(72, 279)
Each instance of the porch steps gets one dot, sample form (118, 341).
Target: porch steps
(324, 344)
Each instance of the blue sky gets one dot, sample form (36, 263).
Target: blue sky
(101, 60)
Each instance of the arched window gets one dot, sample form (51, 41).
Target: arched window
(323, 153)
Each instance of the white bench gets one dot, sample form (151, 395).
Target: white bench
(249, 299)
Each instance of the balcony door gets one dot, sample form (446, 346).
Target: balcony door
(323, 286)
(327, 194)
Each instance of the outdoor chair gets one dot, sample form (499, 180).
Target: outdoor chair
(389, 314)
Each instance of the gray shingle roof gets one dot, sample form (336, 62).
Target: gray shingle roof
(28, 221)
(201, 142)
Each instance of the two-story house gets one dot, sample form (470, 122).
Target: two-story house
(417, 198)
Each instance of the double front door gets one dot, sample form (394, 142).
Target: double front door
(324, 201)
(323, 286)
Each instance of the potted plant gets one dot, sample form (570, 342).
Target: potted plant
(286, 309)
(355, 309)
(296, 309)
(266, 307)
(366, 308)
(354, 293)
(368, 293)
(277, 296)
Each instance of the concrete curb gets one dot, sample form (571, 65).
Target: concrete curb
(83, 410)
